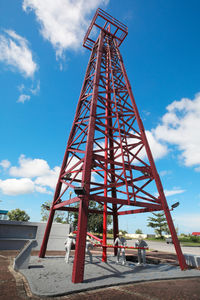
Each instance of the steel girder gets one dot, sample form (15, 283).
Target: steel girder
(107, 154)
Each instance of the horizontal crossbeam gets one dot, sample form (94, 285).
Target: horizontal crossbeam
(122, 247)
(137, 211)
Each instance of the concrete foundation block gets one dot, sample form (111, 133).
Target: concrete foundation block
(192, 260)
(22, 259)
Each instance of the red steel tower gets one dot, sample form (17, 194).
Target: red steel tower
(108, 158)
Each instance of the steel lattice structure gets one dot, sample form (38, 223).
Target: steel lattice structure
(108, 158)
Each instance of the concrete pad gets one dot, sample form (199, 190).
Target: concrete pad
(51, 276)
(192, 260)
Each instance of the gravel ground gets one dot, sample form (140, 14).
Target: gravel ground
(51, 276)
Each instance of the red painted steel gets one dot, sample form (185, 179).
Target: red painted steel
(105, 150)
(104, 256)
(137, 211)
(47, 233)
(79, 257)
(122, 247)
(115, 28)
(163, 200)
(108, 246)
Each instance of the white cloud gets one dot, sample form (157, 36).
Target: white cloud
(180, 126)
(22, 98)
(39, 169)
(14, 187)
(165, 172)
(35, 90)
(21, 87)
(42, 190)
(50, 179)
(63, 22)
(158, 149)
(5, 163)
(169, 193)
(173, 192)
(30, 167)
(36, 176)
(17, 186)
(15, 52)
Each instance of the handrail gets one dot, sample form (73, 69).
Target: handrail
(110, 246)
(120, 30)
(112, 19)
(124, 247)
(92, 236)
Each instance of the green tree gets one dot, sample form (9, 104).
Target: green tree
(159, 223)
(95, 221)
(110, 231)
(18, 215)
(138, 231)
(59, 217)
(167, 231)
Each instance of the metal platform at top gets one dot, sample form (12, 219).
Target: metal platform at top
(103, 21)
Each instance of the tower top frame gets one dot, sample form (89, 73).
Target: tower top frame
(103, 21)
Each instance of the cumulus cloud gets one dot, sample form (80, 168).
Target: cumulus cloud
(5, 163)
(158, 149)
(30, 167)
(15, 52)
(17, 186)
(49, 179)
(63, 22)
(42, 190)
(180, 126)
(33, 175)
(14, 187)
(22, 98)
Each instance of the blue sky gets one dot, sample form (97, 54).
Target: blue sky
(42, 66)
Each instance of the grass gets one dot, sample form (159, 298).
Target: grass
(155, 239)
(186, 243)
(190, 244)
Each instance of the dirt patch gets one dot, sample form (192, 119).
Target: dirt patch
(9, 287)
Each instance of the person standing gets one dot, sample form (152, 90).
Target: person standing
(141, 252)
(71, 239)
(120, 241)
(88, 247)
